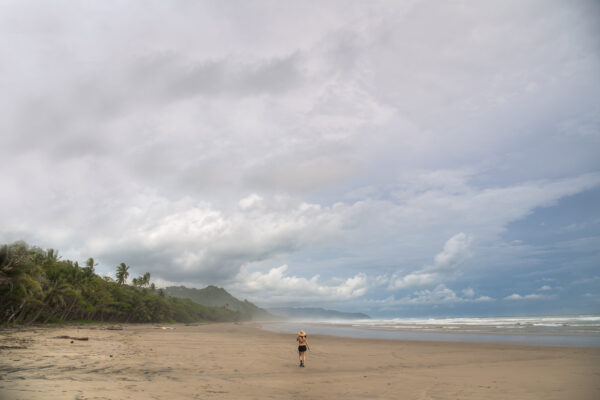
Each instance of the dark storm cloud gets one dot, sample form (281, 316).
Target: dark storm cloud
(71, 120)
(222, 78)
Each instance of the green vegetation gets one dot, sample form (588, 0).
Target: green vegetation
(213, 296)
(36, 286)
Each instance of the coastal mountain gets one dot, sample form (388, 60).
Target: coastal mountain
(314, 313)
(213, 296)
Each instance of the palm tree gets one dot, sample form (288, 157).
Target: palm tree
(52, 255)
(122, 273)
(142, 281)
(55, 300)
(27, 291)
(146, 279)
(89, 266)
(20, 277)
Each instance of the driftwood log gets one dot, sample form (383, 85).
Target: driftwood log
(114, 328)
(71, 337)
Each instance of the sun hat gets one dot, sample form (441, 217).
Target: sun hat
(301, 333)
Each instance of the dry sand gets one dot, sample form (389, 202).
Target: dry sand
(239, 361)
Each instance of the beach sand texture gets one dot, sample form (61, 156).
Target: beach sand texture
(240, 361)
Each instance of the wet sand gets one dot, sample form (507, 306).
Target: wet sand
(240, 361)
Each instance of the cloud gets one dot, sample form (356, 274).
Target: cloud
(183, 240)
(172, 78)
(200, 243)
(252, 201)
(276, 286)
(416, 279)
(439, 295)
(532, 296)
(593, 280)
(445, 264)
(198, 139)
(453, 254)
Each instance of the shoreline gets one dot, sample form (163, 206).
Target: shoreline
(341, 331)
(240, 360)
(550, 338)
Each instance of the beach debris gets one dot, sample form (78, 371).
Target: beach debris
(3, 347)
(71, 337)
(165, 327)
(12, 343)
(114, 328)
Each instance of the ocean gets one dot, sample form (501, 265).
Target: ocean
(555, 330)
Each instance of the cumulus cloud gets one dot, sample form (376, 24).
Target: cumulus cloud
(439, 295)
(453, 254)
(276, 286)
(445, 264)
(532, 296)
(200, 243)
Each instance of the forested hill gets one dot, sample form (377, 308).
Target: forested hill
(218, 297)
(36, 286)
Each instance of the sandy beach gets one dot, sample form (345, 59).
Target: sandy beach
(240, 361)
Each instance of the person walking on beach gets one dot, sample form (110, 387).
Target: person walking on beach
(302, 347)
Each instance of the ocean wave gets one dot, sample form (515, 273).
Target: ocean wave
(578, 321)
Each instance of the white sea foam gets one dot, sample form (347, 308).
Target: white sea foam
(588, 322)
(570, 330)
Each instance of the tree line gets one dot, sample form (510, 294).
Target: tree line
(37, 286)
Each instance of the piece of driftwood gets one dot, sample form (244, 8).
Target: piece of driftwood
(71, 337)
(114, 328)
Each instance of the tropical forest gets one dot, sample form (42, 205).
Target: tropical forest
(37, 286)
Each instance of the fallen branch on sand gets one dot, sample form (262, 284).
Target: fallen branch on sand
(114, 328)
(11, 347)
(71, 337)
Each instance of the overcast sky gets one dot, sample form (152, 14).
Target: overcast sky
(397, 158)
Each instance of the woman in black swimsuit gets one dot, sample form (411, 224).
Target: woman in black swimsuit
(302, 347)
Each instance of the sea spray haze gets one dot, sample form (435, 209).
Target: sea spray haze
(316, 314)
